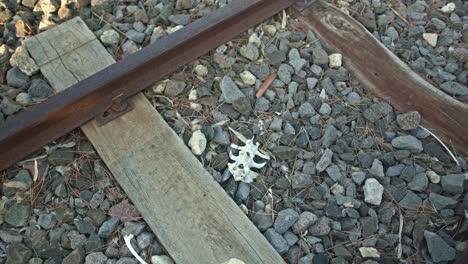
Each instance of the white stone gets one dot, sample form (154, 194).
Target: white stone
(248, 78)
(431, 38)
(234, 261)
(160, 87)
(369, 252)
(110, 37)
(433, 176)
(323, 94)
(337, 189)
(197, 142)
(254, 39)
(158, 31)
(171, 30)
(161, 260)
(24, 99)
(45, 24)
(448, 8)
(373, 191)
(336, 60)
(270, 30)
(201, 70)
(24, 62)
(192, 97)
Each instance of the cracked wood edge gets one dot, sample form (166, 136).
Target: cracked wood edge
(194, 218)
(385, 75)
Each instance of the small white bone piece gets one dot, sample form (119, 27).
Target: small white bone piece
(244, 161)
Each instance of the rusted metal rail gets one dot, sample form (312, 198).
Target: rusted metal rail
(108, 90)
(385, 75)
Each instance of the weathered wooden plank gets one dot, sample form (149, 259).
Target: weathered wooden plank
(384, 74)
(196, 221)
(59, 41)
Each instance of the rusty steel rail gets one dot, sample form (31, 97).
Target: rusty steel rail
(109, 88)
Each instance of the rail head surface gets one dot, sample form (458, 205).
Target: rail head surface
(35, 127)
(382, 73)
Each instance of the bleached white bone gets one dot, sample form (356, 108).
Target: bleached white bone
(244, 160)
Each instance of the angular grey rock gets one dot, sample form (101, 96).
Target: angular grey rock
(136, 36)
(221, 137)
(453, 183)
(285, 72)
(441, 202)
(233, 95)
(353, 98)
(330, 136)
(276, 57)
(16, 78)
(291, 238)
(305, 220)
(306, 110)
(276, 124)
(377, 169)
(250, 51)
(110, 37)
(454, 88)
(419, 183)
(411, 201)
(334, 172)
(77, 240)
(145, 239)
(17, 215)
(18, 253)
(23, 61)
(40, 89)
(262, 220)
(373, 192)
(77, 256)
(439, 250)
(358, 177)
(133, 228)
(298, 64)
(321, 227)
(126, 260)
(174, 88)
(409, 121)
(307, 259)
(408, 143)
(180, 19)
(319, 56)
(301, 180)
(285, 219)
(277, 241)
(243, 191)
(108, 227)
(96, 258)
(9, 107)
(285, 153)
(395, 170)
(311, 83)
(262, 105)
(46, 221)
(325, 160)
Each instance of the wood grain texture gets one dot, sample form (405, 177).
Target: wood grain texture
(195, 220)
(385, 75)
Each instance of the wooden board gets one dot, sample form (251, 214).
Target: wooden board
(383, 73)
(196, 221)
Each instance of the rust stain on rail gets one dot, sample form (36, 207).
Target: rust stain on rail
(385, 75)
(35, 127)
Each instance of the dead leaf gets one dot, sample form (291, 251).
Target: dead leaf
(125, 211)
